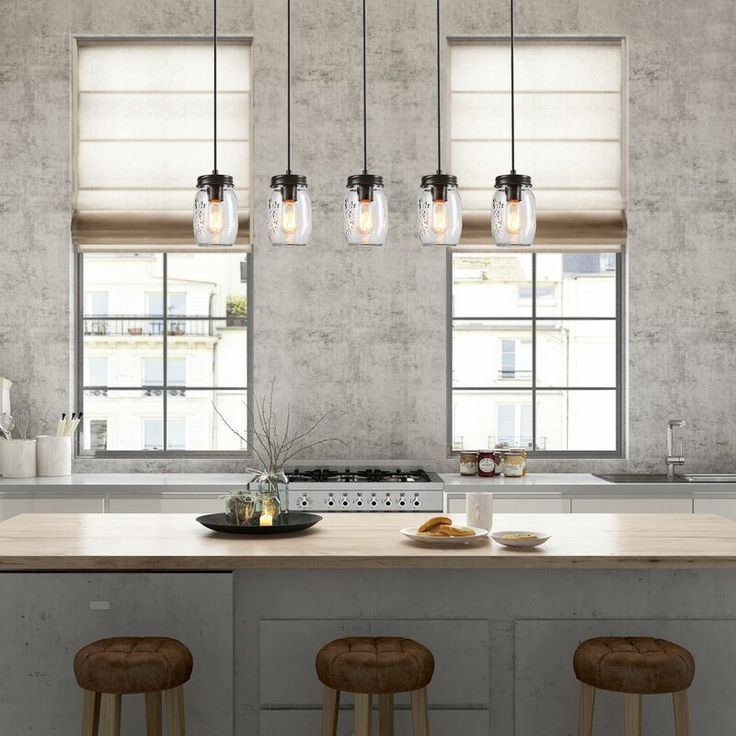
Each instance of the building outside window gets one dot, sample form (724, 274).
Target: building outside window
(537, 343)
(163, 325)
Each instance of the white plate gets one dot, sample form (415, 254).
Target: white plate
(413, 533)
(540, 538)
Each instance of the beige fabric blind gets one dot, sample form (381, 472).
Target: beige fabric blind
(569, 137)
(144, 133)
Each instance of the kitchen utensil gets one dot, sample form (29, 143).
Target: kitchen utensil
(297, 521)
(7, 425)
(524, 541)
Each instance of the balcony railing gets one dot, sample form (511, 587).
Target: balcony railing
(149, 327)
(517, 374)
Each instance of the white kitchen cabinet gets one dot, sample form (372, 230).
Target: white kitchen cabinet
(722, 506)
(632, 506)
(175, 504)
(10, 507)
(456, 505)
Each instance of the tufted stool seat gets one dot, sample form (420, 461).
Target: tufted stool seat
(379, 666)
(634, 666)
(110, 668)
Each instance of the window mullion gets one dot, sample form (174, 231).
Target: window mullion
(534, 352)
(165, 310)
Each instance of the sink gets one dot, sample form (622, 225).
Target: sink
(646, 478)
(634, 478)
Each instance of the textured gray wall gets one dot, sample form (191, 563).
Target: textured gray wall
(363, 332)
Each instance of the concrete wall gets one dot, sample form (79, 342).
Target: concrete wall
(364, 332)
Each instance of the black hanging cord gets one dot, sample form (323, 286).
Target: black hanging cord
(439, 98)
(513, 126)
(288, 87)
(214, 69)
(365, 104)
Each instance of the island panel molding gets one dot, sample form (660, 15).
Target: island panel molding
(175, 542)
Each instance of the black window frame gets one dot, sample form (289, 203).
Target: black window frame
(166, 390)
(620, 316)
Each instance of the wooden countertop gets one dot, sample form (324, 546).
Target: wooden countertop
(175, 542)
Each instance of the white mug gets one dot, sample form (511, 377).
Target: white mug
(479, 510)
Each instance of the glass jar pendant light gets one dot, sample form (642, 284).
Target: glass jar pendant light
(289, 205)
(365, 208)
(215, 204)
(439, 209)
(513, 209)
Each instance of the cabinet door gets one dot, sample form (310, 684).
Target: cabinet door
(722, 506)
(456, 505)
(194, 504)
(632, 506)
(13, 506)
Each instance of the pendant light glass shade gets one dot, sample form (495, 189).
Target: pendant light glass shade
(289, 203)
(513, 208)
(439, 210)
(513, 211)
(365, 211)
(289, 210)
(215, 220)
(215, 211)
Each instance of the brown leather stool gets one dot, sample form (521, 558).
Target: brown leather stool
(634, 666)
(110, 668)
(370, 666)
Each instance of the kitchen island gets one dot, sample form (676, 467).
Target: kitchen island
(502, 624)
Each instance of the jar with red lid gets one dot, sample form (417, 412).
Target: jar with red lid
(488, 463)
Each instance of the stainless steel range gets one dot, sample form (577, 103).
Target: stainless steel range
(368, 489)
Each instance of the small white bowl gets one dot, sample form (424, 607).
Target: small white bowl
(539, 538)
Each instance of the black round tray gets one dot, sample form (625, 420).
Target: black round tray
(297, 521)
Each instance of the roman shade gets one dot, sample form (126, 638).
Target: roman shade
(143, 134)
(569, 137)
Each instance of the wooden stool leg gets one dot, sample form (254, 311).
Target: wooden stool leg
(632, 715)
(330, 704)
(585, 710)
(111, 710)
(154, 720)
(682, 713)
(419, 712)
(175, 711)
(91, 713)
(386, 715)
(362, 715)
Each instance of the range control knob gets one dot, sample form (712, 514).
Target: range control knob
(402, 501)
(373, 502)
(416, 503)
(345, 502)
(359, 502)
(388, 502)
(304, 502)
(330, 502)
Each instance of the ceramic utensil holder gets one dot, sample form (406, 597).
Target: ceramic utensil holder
(479, 510)
(19, 458)
(54, 455)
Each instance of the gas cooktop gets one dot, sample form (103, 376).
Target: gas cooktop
(367, 475)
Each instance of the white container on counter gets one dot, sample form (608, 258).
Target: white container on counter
(19, 458)
(54, 455)
(479, 510)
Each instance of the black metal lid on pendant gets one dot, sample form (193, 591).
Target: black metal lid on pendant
(288, 180)
(513, 180)
(214, 180)
(365, 180)
(439, 180)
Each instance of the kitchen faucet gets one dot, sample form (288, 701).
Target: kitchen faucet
(670, 459)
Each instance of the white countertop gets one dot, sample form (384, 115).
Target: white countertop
(534, 485)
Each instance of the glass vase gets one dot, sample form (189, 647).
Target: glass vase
(271, 490)
(240, 508)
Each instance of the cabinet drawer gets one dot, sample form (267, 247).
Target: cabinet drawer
(722, 506)
(456, 505)
(632, 506)
(208, 504)
(13, 506)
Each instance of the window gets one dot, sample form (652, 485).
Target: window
(97, 434)
(537, 333)
(163, 325)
